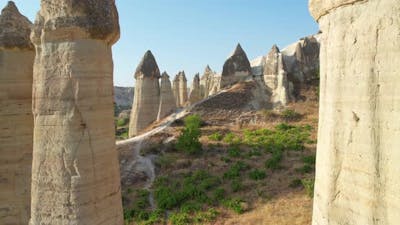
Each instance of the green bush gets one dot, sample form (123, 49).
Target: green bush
(232, 139)
(290, 115)
(235, 170)
(306, 168)
(207, 216)
(219, 194)
(308, 186)
(235, 205)
(122, 122)
(188, 141)
(180, 218)
(309, 159)
(295, 183)
(234, 151)
(236, 185)
(216, 137)
(257, 174)
(273, 163)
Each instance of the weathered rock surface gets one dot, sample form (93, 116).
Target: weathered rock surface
(209, 83)
(147, 95)
(123, 96)
(275, 77)
(16, 119)
(195, 93)
(175, 90)
(167, 99)
(357, 177)
(236, 68)
(180, 89)
(75, 171)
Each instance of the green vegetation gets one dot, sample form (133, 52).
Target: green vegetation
(188, 141)
(122, 122)
(232, 139)
(235, 205)
(235, 170)
(216, 137)
(309, 186)
(291, 115)
(257, 174)
(234, 151)
(295, 183)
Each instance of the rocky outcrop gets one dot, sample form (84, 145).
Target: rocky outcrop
(236, 68)
(275, 77)
(75, 170)
(167, 99)
(357, 169)
(147, 95)
(195, 93)
(16, 119)
(180, 89)
(209, 83)
(175, 90)
(123, 96)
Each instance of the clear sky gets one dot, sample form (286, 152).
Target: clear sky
(189, 34)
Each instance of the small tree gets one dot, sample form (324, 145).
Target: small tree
(188, 141)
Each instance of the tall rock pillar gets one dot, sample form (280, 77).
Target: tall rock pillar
(167, 99)
(146, 101)
(175, 90)
(183, 91)
(195, 92)
(236, 68)
(75, 171)
(16, 119)
(357, 177)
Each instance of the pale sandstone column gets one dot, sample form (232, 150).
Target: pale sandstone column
(358, 169)
(205, 82)
(167, 99)
(16, 119)
(183, 91)
(75, 171)
(195, 95)
(146, 101)
(175, 90)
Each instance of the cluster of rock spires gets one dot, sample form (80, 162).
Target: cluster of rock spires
(271, 71)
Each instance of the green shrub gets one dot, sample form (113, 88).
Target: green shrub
(257, 174)
(235, 205)
(188, 141)
(308, 186)
(305, 169)
(310, 160)
(180, 218)
(216, 137)
(273, 163)
(232, 139)
(234, 151)
(219, 194)
(122, 122)
(166, 198)
(236, 185)
(234, 171)
(290, 115)
(207, 216)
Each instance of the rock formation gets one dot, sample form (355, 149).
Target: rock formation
(75, 170)
(357, 176)
(180, 89)
(147, 95)
(16, 119)
(209, 83)
(175, 90)
(236, 68)
(167, 99)
(195, 94)
(275, 77)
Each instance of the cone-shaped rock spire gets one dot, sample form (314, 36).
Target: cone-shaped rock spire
(236, 68)
(195, 95)
(167, 100)
(16, 119)
(14, 28)
(146, 100)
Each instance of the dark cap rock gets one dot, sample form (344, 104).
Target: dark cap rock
(148, 67)
(238, 61)
(14, 29)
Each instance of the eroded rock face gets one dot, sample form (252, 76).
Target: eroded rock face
(75, 171)
(175, 90)
(275, 77)
(146, 101)
(236, 68)
(16, 119)
(167, 99)
(357, 176)
(195, 93)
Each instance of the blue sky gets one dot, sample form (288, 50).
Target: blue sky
(189, 34)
